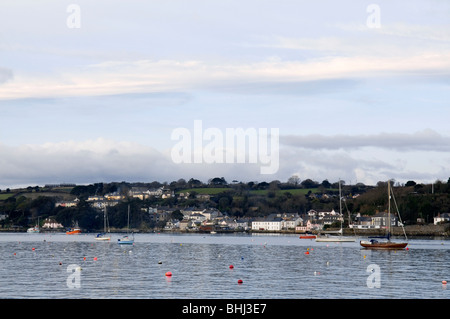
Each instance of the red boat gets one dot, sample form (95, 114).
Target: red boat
(74, 231)
(307, 236)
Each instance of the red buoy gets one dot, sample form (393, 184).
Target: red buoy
(240, 281)
(231, 266)
(168, 274)
(306, 252)
(444, 282)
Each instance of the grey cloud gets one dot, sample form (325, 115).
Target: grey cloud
(5, 75)
(304, 88)
(426, 140)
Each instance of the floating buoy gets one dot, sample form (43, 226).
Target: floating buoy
(444, 282)
(407, 248)
(159, 262)
(14, 254)
(84, 258)
(306, 252)
(60, 263)
(95, 258)
(240, 281)
(168, 274)
(33, 248)
(231, 267)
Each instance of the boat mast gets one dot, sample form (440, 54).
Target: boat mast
(340, 203)
(389, 210)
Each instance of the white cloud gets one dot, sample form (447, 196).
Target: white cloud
(119, 77)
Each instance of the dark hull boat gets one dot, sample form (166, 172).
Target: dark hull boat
(375, 244)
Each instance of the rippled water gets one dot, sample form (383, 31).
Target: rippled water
(270, 266)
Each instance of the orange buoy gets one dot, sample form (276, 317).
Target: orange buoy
(231, 267)
(306, 252)
(240, 281)
(168, 274)
(444, 282)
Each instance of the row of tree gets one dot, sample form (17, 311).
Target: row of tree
(236, 199)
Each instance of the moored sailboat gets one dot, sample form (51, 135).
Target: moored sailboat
(338, 234)
(103, 236)
(34, 229)
(374, 243)
(126, 240)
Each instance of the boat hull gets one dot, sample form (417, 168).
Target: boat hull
(386, 245)
(125, 242)
(74, 232)
(307, 237)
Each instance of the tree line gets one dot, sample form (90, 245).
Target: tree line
(237, 199)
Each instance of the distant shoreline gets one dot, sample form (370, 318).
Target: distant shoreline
(411, 230)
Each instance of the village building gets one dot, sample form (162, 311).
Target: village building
(50, 223)
(442, 218)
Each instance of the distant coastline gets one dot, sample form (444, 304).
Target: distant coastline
(410, 230)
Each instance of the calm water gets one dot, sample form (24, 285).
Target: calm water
(270, 266)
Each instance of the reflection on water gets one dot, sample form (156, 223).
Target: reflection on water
(280, 266)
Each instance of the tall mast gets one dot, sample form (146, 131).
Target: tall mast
(340, 197)
(389, 209)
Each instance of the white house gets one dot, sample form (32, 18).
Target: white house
(51, 224)
(274, 224)
(442, 218)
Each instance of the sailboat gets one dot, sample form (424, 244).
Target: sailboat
(103, 236)
(34, 229)
(126, 240)
(333, 238)
(375, 244)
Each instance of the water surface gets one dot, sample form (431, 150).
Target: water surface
(270, 266)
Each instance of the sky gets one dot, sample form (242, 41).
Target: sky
(95, 91)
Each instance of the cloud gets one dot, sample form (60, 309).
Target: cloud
(103, 160)
(137, 76)
(5, 75)
(87, 161)
(426, 140)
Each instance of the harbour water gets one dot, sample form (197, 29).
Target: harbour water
(61, 266)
